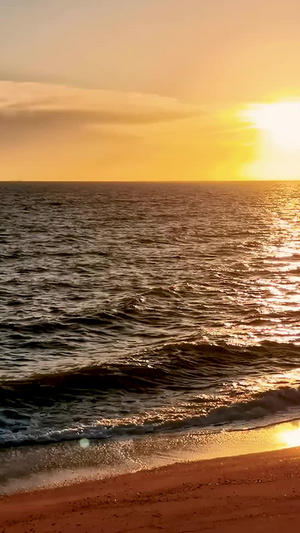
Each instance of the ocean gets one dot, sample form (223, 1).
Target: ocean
(130, 310)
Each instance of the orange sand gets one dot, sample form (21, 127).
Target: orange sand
(251, 493)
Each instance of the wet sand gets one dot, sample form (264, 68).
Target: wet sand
(250, 493)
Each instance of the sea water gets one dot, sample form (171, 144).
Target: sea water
(129, 309)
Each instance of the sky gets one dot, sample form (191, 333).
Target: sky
(148, 89)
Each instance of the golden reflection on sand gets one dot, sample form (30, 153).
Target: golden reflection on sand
(290, 438)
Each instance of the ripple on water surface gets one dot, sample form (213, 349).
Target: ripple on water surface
(134, 308)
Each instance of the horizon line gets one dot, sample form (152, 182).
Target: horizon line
(153, 181)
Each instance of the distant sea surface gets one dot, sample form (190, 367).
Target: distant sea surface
(131, 308)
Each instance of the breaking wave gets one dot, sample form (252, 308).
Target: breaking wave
(256, 412)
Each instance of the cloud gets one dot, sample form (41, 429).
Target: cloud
(29, 107)
(58, 132)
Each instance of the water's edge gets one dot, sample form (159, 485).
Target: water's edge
(33, 468)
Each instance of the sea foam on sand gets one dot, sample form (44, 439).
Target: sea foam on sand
(34, 467)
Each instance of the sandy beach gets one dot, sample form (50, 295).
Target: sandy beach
(257, 492)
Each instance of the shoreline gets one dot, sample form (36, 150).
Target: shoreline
(259, 492)
(32, 468)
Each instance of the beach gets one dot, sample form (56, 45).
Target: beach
(149, 266)
(256, 492)
(148, 331)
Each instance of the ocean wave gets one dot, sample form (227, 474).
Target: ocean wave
(30, 256)
(263, 407)
(129, 310)
(172, 367)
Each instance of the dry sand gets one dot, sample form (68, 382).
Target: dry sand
(250, 493)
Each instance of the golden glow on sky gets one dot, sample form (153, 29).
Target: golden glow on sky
(281, 120)
(277, 145)
(143, 90)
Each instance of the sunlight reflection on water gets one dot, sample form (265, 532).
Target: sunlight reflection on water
(137, 308)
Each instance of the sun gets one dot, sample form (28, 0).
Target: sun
(275, 140)
(280, 120)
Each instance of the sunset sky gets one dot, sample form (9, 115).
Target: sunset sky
(149, 89)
